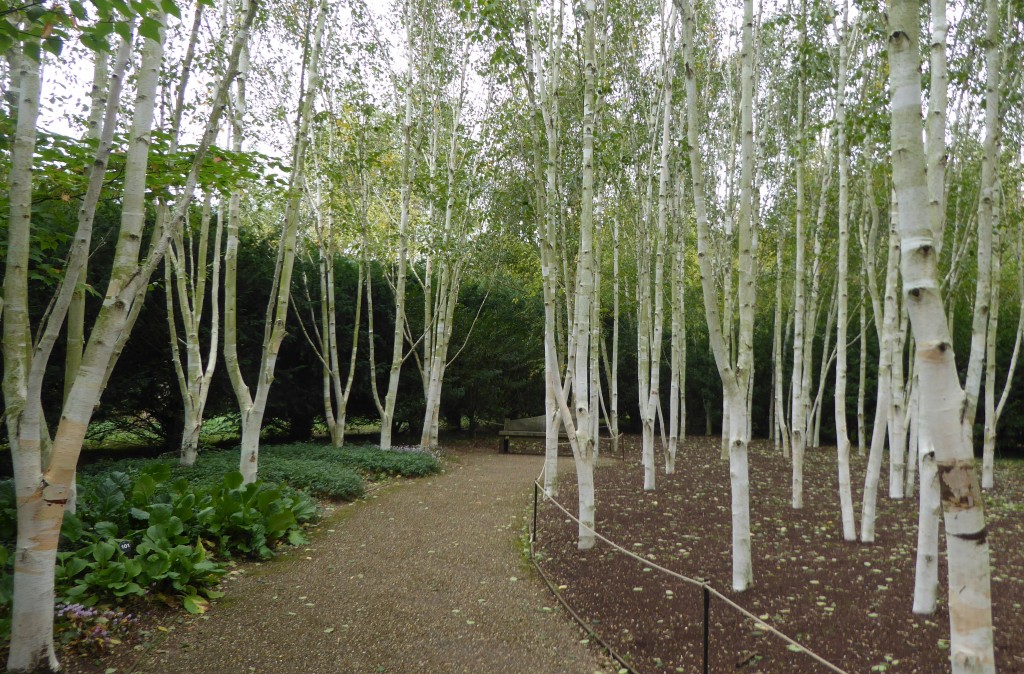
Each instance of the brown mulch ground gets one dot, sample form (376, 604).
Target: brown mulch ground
(849, 602)
(423, 576)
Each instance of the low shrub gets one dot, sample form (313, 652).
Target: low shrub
(370, 461)
(251, 519)
(327, 480)
(166, 528)
(399, 463)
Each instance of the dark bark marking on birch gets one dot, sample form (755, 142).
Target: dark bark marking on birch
(959, 486)
(979, 537)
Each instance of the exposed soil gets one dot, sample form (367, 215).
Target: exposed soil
(848, 602)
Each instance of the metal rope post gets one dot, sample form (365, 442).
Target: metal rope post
(533, 534)
(707, 626)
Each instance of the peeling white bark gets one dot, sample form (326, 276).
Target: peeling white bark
(941, 399)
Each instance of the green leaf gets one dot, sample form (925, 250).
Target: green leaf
(195, 604)
(150, 28)
(278, 523)
(103, 551)
(71, 528)
(105, 529)
(143, 490)
(123, 29)
(53, 44)
(160, 513)
(170, 8)
(233, 480)
(31, 50)
(75, 566)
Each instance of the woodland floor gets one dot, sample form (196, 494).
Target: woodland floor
(423, 575)
(848, 602)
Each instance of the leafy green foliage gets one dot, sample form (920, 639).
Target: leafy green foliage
(370, 461)
(251, 519)
(165, 527)
(329, 480)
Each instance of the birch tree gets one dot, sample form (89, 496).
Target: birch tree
(342, 174)
(43, 480)
(419, 55)
(735, 375)
(185, 276)
(253, 405)
(449, 250)
(653, 338)
(942, 402)
(798, 420)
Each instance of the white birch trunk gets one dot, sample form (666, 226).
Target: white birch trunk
(43, 489)
(407, 173)
(988, 214)
(988, 457)
(677, 400)
(660, 244)
(193, 377)
(735, 378)
(842, 319)
(842, 435)
(942, 401)
(897, 414)
(614, 383)
(926, 571)
(862, 375)
(277, 310)
(38, 521)
(882, 401)
(914, 440)
(798, 422)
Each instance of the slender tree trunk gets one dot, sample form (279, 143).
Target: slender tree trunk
(193, 378)
(926, 571)
(842, 319)
(677, 401)
(798, 422)
(862, 375)
(407, 174)
(614, 383)
(32, 614)
(735, 378)
(828, 354)
(897, 413)
(43, 489)
(914, 441)
(988, 214)
(943, 412)
(988, 457)
(660, 245)
(882, 401)
(252, 406)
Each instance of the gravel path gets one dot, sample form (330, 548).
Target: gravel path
(423, 577)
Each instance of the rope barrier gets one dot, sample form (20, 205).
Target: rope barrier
(591, 632)
(708, 589)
